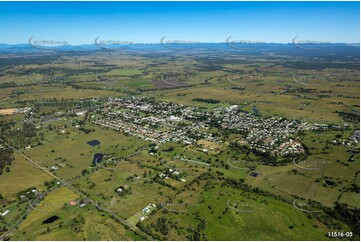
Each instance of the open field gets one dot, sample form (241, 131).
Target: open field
(217, 204)
(26, 176)
(76, 224)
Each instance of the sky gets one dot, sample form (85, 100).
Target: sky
(147, 22)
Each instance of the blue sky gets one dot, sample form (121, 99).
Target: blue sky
(147, 22)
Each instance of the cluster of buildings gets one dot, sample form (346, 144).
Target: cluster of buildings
(191, 161)
(23, 110)
(355, 137)
(145, 211)
(351, 142)
(262, 133)
(29, 193)
(290, 147)
(161, 122)
(170, 172)
(323, 127)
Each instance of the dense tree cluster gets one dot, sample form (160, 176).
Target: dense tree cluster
(6, 157)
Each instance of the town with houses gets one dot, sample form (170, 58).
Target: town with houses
(161, 122)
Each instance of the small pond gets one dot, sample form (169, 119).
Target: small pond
(98, 157)
(51, 219)
(93, 142)
(330, 183)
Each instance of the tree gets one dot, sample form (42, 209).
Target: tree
(84, 172)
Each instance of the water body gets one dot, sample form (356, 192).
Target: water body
(329, 182)
(51, 219)
(93, 142)
(98, 157)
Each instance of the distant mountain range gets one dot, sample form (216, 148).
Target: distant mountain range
(164, 47)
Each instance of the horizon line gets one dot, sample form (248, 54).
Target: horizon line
(225, 42)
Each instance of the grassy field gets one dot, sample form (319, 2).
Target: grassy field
(77, 154)
(280, 220)
(74, 223)
(142, 192)
(333, 165)
(22, 175)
